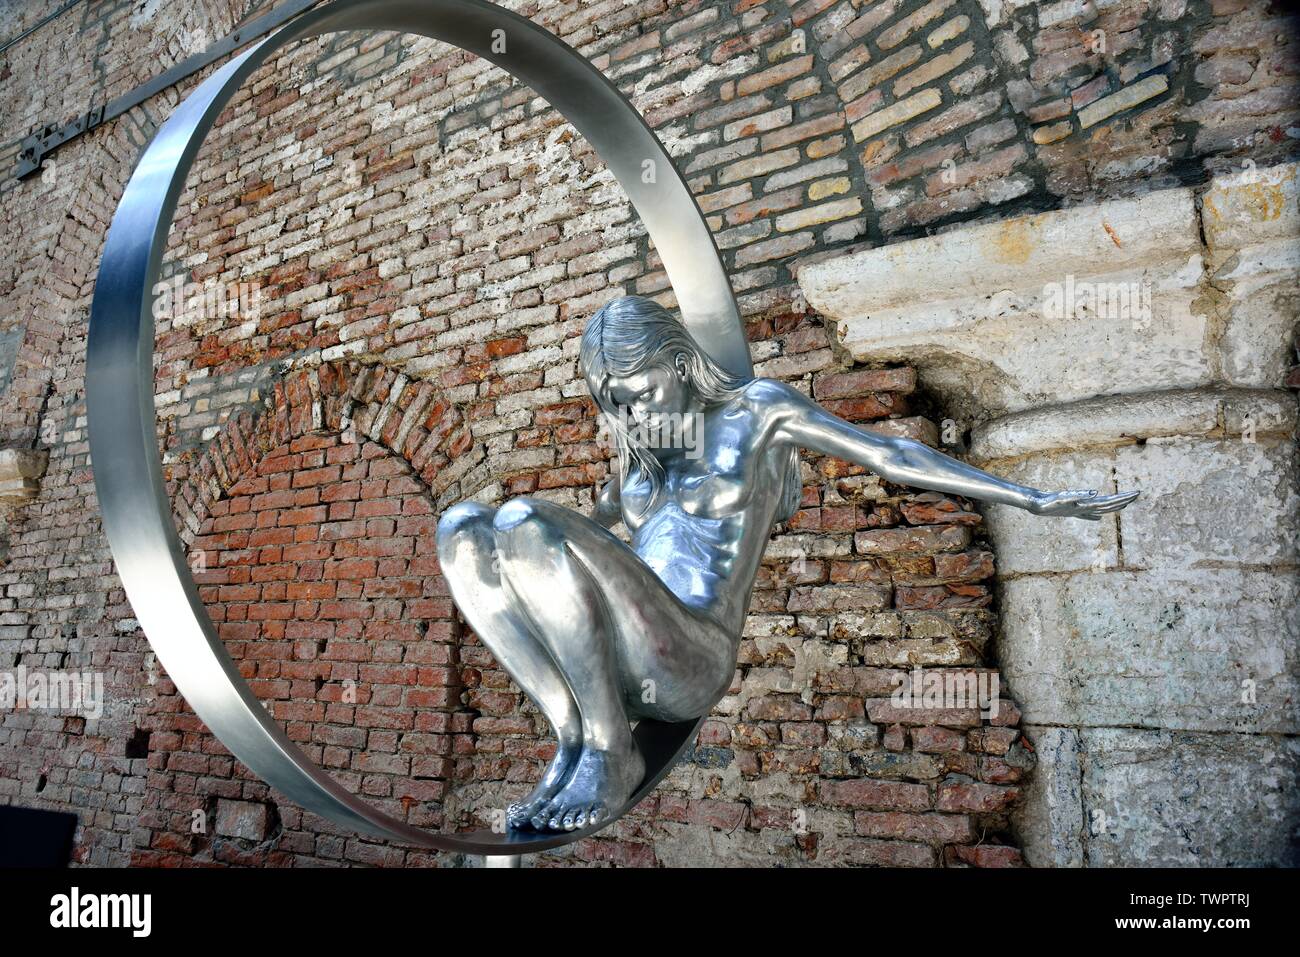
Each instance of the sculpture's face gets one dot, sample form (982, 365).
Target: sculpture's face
(653, 393)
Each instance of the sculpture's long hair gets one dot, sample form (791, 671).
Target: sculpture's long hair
(632, 334)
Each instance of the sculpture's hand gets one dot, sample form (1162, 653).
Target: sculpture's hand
(1080, 504)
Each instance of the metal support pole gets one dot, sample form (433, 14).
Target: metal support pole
(503, 860)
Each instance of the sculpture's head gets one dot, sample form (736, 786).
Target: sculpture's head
(639, 360)
(647, 373)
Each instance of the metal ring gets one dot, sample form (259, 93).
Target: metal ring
(120, 380)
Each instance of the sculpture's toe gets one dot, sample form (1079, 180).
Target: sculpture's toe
(544, 817)
(521, 814)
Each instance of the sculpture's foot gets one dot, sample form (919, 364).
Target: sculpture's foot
(601, 783)
(520, 814)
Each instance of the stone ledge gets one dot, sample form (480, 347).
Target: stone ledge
(1035, 310)
(885, 283)
(1123, 419)
(1119, 297)
(20, 474)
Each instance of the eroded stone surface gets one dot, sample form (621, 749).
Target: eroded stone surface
(1209, 501)
(1174, 799)
(1185, 649)
(1050, 822)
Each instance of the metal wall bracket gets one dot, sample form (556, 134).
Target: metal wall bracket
(51, 136)
(37, 146)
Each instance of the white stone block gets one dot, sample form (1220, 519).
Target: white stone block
(1171, 799)
(1177, 648)
(1210, 501)
(1252, 206)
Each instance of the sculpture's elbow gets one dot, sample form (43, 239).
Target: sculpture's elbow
(904, 460)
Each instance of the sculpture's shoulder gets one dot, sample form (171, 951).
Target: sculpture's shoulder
(769, 401)
(764, 395)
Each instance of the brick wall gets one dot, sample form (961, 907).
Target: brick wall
(438, 225)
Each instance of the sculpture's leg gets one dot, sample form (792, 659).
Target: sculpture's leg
(616, 632)
(466, 552)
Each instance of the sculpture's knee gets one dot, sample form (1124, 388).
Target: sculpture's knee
(520, 524)
(466, 524)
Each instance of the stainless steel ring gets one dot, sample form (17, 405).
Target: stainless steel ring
(120, 382)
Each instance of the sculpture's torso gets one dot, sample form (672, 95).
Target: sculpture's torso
(705, 536)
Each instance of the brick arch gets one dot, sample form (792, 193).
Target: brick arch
(413, 419)
(319, 572)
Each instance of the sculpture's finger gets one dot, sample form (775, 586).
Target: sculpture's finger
(1113, 503)
(1126, 497)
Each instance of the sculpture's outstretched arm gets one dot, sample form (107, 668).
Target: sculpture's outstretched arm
(907, 462)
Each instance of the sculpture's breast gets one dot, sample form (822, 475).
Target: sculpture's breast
(692, 555)
(722, 479)
(715, 490)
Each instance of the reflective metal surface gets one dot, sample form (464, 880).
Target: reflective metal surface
(601, 634)
(119, 373)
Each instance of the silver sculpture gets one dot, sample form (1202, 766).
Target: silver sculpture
(599, 634)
